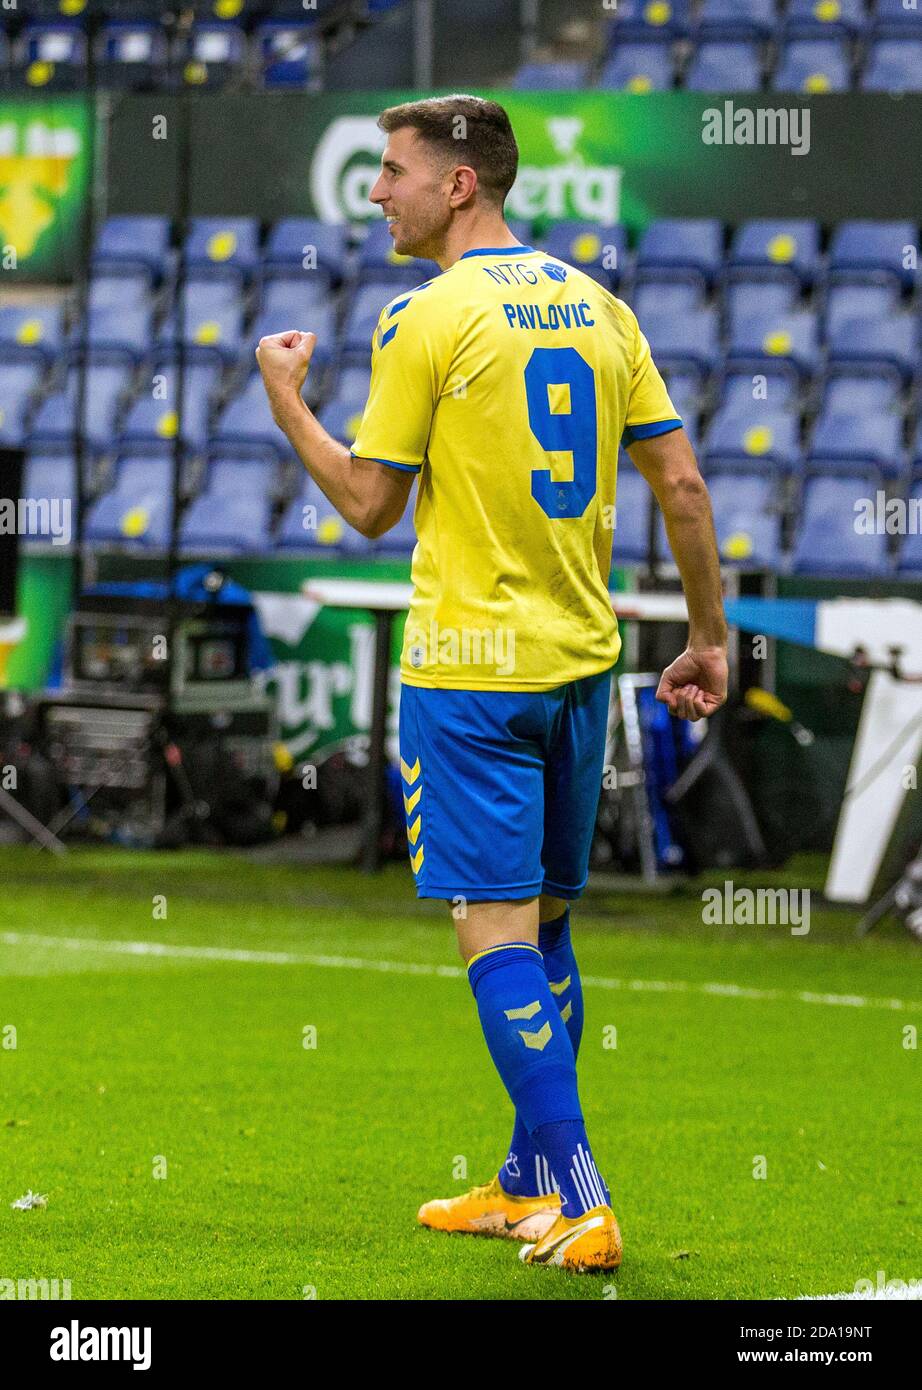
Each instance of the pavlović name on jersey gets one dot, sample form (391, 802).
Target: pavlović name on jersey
(549, 316)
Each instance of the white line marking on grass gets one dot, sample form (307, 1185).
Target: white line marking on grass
(453, 972)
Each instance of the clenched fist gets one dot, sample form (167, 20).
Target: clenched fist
(283, 361)
(695, 684)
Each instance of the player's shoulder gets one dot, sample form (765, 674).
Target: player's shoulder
(591, 288)
(423, 306)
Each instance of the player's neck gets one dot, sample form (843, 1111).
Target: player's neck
(486, 233)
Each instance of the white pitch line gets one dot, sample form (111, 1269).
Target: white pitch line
(453, 972)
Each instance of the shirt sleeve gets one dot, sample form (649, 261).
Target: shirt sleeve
(650, 411)
(408, 370)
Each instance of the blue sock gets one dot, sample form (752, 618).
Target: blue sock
(525, 1172)
(534, 1056)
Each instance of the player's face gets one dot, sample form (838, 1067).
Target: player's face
(412, 192)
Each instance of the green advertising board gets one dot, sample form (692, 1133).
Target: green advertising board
(45, 170)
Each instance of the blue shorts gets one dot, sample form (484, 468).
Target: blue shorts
(501, 788)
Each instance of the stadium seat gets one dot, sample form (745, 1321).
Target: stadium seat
(684, 389)
(311, 523)
(827, 541)
(775, 249)
(598, 250)
(55, 421)
(845, 392)
(633, 500)
(126, 244)
(759, 299)
(52, 476)
(649, 20)
(400, 539)
(136, 512)
(342, 419)
(222, 247)
(131, 291)
(821, 18)
(754, 437)
(681, 248)
(212, 55)
(117, 332)
(909, 559)
(551, 77)
(378, 261)
(650, 299)
(50, 57)
(735, 19)
(894, 19)
(131, 55)
(720, 67)
(873, 440)
(19, 385)
(153, 419)
(688, 340)
(876, 345)
(639, 66)
(747, 516)
(31, 333)
(869, 252)
(212, 317)
(351, 387)
(245, 426)
(858, 302)
(813, 65)
(736, 392)
(782, 344)
(289, 54)
(893, 65)
(294, 240)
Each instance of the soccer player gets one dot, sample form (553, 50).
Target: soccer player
(505, 386)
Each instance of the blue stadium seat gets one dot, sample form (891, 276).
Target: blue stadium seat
(289, 54)
(294, 240)
(212, 317)
(401, 538)
(893, 65)
(126, 243)
(118, 332)
(311, 523)
(232, 525)
(131, 54)
(776, 248)
(844, 392)
(755, 437)
(246, 427)
(50, 57)
(633, 500)
(598, 250)
(747, 517)
(876, 345)
(681, 248)
(658, 298)
(759, 299)
(130, 291)
(152, 419)
(781, 345)
(31, 333)
(55, 421)
(136, 512)
(827, 542)
(684, 341)
(342, 420)
(894, 19)
(351, 387)
(813, 65)
(721, 67)
(211, 55)
(639, 66)
(684, 389)
(551, 77)
(736, 19)
(377, 260)
(52, 476)
(222, 247)
(871, 252)
(19, 385)
(859, 302)
(909, 559)
(820, 18)
(650, 20)
(873, 440)
(736, 392)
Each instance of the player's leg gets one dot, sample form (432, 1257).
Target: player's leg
(572, 786)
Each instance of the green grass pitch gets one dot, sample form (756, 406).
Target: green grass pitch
(291, 1169)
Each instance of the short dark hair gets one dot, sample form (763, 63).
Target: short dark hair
(485, 137)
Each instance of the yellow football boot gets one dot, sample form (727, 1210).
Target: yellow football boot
(489, 1211)
(579, 1243)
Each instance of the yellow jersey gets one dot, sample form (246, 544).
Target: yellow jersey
(507, 383)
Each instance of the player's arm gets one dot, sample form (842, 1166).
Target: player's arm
(370, 497)
(695, 684)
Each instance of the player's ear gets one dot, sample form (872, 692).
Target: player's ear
(464, 186)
